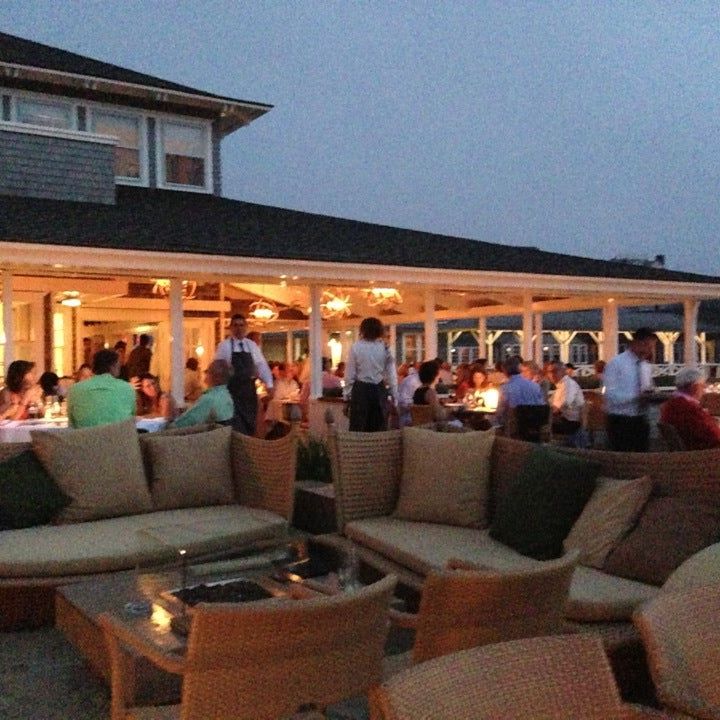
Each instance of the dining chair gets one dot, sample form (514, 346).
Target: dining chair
(711, 402)
(671, 437)
(681, 635)
(263, 660)
(421, 415)
(465, 606)
(565, 677)
(529, 422)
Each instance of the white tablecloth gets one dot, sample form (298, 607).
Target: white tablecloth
(19, 430)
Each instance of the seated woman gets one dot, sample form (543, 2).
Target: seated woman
(425, 394)
(49, 382)
(21, 397)
(697, 428)
(479, 384)
(151, 400)
(463, 381)
(286, 389)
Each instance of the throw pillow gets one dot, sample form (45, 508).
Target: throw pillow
(99, 468)
(609, 515)
(190, 470)
(445, 477)
(540, 506)
(669, 531)
(28, 495)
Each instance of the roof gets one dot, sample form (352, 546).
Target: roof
(19, 51)
(184, 222)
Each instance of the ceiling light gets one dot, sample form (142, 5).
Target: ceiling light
(70, 298)
(384, 297)
(335, 304)
(263, 311)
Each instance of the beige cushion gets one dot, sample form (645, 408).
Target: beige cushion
(609, 515)
(191, 470)
(445, 477)
(100, 468)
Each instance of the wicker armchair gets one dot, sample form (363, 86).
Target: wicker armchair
(264, 660)
(553, 678)
(464, 607)
(681, 635)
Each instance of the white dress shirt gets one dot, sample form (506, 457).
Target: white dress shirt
(626, 377)
(406, 390)
(568, 399)
(370, 361)
(225, 350)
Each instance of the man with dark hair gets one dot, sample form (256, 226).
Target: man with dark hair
(138, 362)
(101, 399)
(247, 363)
(628, 386)
(518, 390)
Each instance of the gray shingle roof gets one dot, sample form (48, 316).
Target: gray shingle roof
(169, 221)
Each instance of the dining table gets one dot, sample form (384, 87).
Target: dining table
(18, 431)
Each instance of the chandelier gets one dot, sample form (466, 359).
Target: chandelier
(383, 297)
(70, 298)
(162, 288)
(334, 304)
(263, 311)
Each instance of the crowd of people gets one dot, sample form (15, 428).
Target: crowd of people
(241, 388)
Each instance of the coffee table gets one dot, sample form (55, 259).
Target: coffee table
(78, 606)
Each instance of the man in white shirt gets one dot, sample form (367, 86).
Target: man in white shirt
(247, 363)
(628, 386)
(567, 402)
(408, 385)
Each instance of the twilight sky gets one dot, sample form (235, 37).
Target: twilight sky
(590, 128)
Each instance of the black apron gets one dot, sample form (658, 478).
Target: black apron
(242, 389)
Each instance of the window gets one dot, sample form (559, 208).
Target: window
(185, 150)
(44, 112)
(127, 149)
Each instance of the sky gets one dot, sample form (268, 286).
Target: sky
(590, 128)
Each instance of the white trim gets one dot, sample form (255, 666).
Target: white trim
(91, 79)
(46, 131)
(160, 120)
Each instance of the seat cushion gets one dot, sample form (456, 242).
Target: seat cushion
(543, 503)
(99, 468)
(422, 547)
(28, 495)
(445, 477)
(121, 543)
(609, 515)
(190, 470)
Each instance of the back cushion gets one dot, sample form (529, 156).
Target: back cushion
(191, 470)
(99, 468)
(445, 477)
(507, 460)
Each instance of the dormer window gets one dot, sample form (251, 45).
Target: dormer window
(46, 113)
(185, 149)
(127, 130)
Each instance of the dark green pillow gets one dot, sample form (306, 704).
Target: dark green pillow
(543, 502)
(28, 495)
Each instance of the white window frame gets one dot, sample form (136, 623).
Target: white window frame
(16, 95)
(120, 111)
(206, 126)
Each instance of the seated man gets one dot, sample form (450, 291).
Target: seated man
(216, 403)
(567, 402)
(517, 390)
(406, 389)
(697, 428)
(102, 398)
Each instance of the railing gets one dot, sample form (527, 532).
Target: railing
(710, 370)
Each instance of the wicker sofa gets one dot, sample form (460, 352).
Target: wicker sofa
(200, 491)
(368, 472)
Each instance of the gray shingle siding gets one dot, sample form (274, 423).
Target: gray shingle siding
(56, 168)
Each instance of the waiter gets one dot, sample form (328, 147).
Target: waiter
(247, 363)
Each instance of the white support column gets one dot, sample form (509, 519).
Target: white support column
(430, 325)
(597, 338)
(690, 330)
(702, 343)
(392, 340)
(7, 296)
(289, 346)
(668, 340)
(482, 338)
(177, 345)
(527, 327)
(610, 330)
(538, 345)
(315, 342)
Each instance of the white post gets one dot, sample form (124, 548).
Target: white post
(177, 346)
(315, 342)
(527, 327)
(482, 338)
(610, 330)
(7, 296)
(538, 349)
(393, 340)
(289, 346)
(430, 325)
(690, 330)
